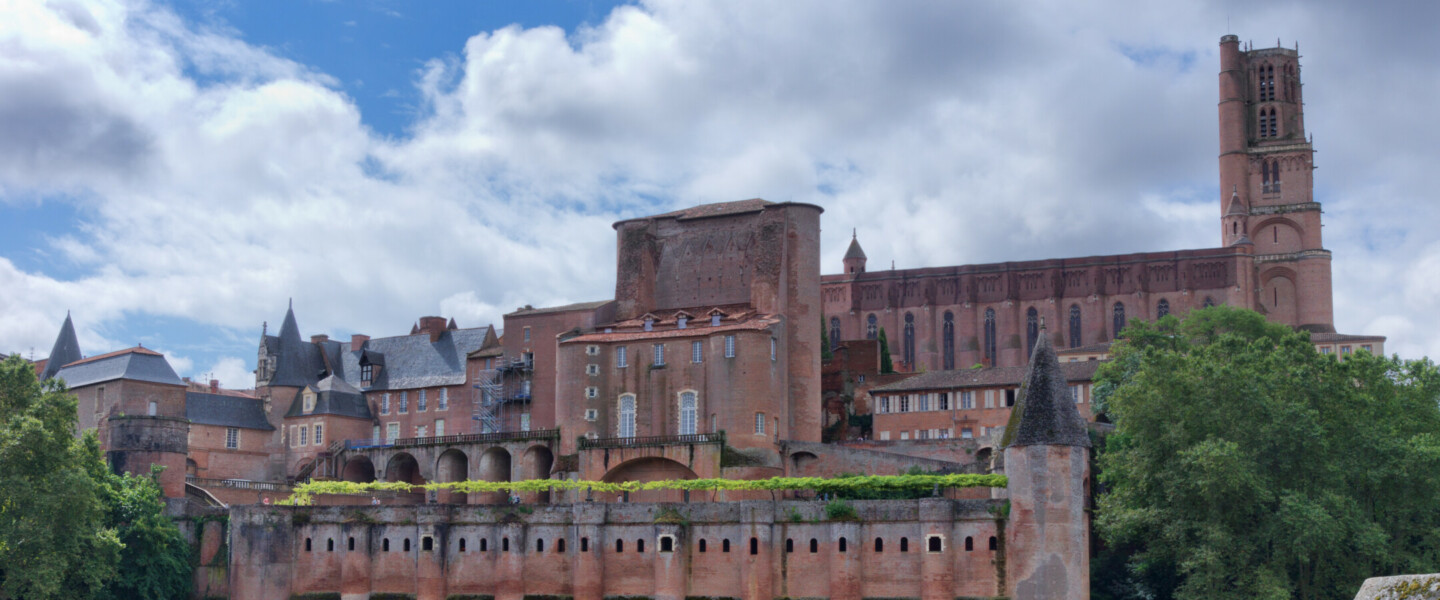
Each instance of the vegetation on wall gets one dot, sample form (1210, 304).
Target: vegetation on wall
(1245, 464)
(887, 365)
(304, 494)
(69, 528)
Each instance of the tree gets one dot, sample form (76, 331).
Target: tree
(69, 528)
(825, 353)
(886, 364)
(1244, 464)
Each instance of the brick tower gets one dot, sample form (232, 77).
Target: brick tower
(1266, 184)
(1047, 457)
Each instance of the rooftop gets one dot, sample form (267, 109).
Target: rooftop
(995, 376)
(133, 364)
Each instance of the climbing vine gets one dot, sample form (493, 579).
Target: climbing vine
(304, 494)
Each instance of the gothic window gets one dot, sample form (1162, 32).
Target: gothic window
(1209, 302)
(990, 337)
(627, 416)
(1163, 309)
(834, 332)
(948, 340)
(1032, 329)
(1274, 167)
(1119, 318)
(687, 413)
(870, 333)
(909, 347)
(1074, 325)
(1273, 130)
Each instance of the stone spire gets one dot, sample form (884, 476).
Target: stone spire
(1044, 414)
(854, 256)
(65, 351)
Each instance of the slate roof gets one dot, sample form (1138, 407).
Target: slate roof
(413, 361)
(1077, 371)
(65, 351)
(333, 396)
(297, 363)
(1044, 414)
(854, 251)
(134, 364)
(226, 410)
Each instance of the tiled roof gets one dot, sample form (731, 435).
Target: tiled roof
(1324, 338)
(578, 306)
(134, 364)
(1083, 370)
(65, 351)
(226, 411)
(413, 361)
(333, 396)
(1099, 348)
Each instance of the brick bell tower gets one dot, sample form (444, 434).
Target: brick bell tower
(1267, 184)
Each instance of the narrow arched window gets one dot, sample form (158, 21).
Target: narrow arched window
(870, 327)
(540, 545)
(879, 545)
(909, 347)
(701, 545)
(584, 544)
(407, 545)
(484, 544)
(1032, 329)
(385, 545)
(640, 545)
(947, 340)
(969, 544)
(834, 332)
(1119, 318)
(724, 546)
(904, 544)
(754, 545)
(560, 545)
(619, 546)
(626, 425)
(843, 544)
(1075, 336)
(814, 545)
(990, 337)
(789, 545)
(687, 413)
(307, 544)
(351, 544)
(462, 544)
(1274, 131)
(1162, 310)
(504, 544)
(994, 543)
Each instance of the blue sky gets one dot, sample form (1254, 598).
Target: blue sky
(174, 172)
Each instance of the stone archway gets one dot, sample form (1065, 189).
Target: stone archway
(536, 464)
(801, 463)
(452, 465)
(404, 467)
(651, 468)
(358, 469)
(494, 466)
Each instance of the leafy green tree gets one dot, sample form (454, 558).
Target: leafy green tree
(886, 364)
(69, 528)
(53, 538)
(1244, 464)
(825, 353)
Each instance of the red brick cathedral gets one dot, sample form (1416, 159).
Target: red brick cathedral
(1271, 257)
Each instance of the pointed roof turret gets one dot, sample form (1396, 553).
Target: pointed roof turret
(65, 351)
(451, 326)
(1236, 208)
(297, 362)
(854, 251)
(1044, 415)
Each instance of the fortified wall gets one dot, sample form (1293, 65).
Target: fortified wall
(931, 549)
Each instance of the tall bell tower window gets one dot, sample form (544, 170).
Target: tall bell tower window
(990, 337)
(1075, 326)
(1119, 319)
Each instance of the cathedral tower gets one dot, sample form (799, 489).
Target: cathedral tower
(1266, 183)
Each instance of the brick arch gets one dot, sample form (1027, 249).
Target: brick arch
(1291, 236)
(1278, 295)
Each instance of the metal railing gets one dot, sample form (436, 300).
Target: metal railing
(653, 440)
(242, 484)
(464, 438)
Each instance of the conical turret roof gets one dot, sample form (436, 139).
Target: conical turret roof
(854, 251)
(1044, 415)
(65, 351)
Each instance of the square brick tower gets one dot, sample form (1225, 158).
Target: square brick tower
(1267, 186)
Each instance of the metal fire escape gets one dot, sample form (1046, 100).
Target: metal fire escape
(499, 387)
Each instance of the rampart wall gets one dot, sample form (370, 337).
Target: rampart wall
(751, 550)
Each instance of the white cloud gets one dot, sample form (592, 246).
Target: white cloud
(947, 133)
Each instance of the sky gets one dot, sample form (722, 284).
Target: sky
(174, 173)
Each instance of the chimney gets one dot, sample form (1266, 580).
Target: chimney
(214, 385)
(318, 338)
(357, 341)
(435, 326)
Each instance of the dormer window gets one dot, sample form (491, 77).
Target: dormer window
(680, 322)
(367, 373)
(309, 402)
(649, 323)
(715, 320)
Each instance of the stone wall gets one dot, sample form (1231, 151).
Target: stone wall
(935, 549)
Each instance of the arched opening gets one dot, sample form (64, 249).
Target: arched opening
(192, 469)
(1119, 320)
(983, 456)
(989, 337)
(969, 544)
(701, 545)
(947, 340)
(1278, 298)
(879, 545)
(801, 462)
(404, 467)
(358, 469)
(844, 544)
(494, 466)
(814, 545)
(652, 468)
(870, 327)
(904, 544)
(536, 465)
(1162, 309)
(452, 465)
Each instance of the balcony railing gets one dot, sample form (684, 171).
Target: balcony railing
(465, 438)
(653, 440)
(242, 484)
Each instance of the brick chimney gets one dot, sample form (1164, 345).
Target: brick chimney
(318, 338)
(357, 341)
(214, 385)
(435, 326)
